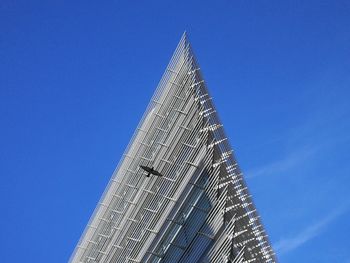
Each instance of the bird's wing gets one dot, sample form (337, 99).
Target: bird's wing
(147, 169)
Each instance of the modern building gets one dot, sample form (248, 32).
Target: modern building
(189, 201)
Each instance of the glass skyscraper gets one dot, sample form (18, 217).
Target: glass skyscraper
(188, 202)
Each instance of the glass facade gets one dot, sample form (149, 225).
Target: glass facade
(200, 209)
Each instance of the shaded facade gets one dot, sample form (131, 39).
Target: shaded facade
(200, 210)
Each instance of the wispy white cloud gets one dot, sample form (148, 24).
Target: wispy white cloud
(291, 243)
(277, 167)
(301, 154)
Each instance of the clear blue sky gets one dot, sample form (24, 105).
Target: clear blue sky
(76, 76)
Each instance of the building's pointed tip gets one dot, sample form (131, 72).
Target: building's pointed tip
(185, 36)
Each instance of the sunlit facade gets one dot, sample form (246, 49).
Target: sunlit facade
(200, 210)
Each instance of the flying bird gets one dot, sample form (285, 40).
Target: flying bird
(150, 171)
